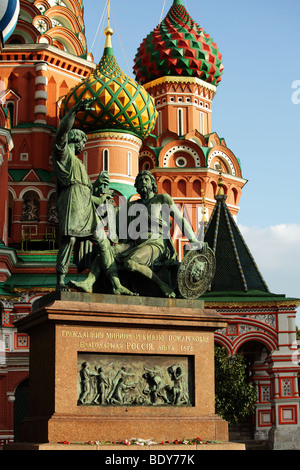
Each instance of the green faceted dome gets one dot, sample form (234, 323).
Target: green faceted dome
(120, 103)
(178, 46)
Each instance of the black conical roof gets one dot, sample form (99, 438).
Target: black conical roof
(236, 269)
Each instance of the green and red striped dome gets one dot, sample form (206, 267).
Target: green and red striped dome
(178, 46)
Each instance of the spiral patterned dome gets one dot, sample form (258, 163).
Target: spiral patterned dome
(120, 103)
(9, 13)
(178, 46)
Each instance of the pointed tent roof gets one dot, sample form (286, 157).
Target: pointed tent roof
(236, 270)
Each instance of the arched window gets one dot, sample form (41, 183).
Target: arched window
(180, 121)
(105, 160)
(202, 123)
(10, 214)
(181, 192)
(197, 188)
(31, 207)
(166, 186)
(214, 188)
(235, 195)
(159, 123)
(129, 164)
(11, 108)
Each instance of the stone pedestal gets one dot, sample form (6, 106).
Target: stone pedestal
(166, 346)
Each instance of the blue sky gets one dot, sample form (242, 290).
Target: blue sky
(256, 109)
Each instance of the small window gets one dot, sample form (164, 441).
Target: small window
(129, 164)
(24, 157)
(179, 122)
(159, 123)
(201, 123)
(11, 108)
(181, 162)
(105, 160)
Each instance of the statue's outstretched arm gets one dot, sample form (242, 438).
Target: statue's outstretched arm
(68, 121)
(186, 228)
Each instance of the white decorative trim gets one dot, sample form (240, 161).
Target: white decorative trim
(41, 81)
(40, 109)
(40, 121)
(42, 66)
(11, 254)
(183, 148)
(34, 189)
(111, 136)
(41, 95)
(218, 153)
(146, 153)
(5, 271)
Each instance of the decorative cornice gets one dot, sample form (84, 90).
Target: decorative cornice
(173, 79)
(260, 304)
(228, 176)
(41, 47)
(20, 290)
(115, 136)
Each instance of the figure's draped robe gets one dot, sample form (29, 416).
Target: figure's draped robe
(75, 207)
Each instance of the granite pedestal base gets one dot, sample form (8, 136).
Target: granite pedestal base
(162, 349)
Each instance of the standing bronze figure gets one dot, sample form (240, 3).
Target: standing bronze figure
(76, 204)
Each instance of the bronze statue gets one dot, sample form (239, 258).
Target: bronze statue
(76, 203)
(140, 250)
(153, 243)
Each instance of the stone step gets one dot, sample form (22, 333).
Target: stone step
(256, 445)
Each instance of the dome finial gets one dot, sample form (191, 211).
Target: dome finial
(108, 31)
(220, 182)
(204, 211)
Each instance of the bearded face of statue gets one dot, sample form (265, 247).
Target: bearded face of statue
(144, 185)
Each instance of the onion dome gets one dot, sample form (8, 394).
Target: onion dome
(120, 103)
(178, 46)
(9, 12)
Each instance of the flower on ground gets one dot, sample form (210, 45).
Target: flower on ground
(148, 442)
